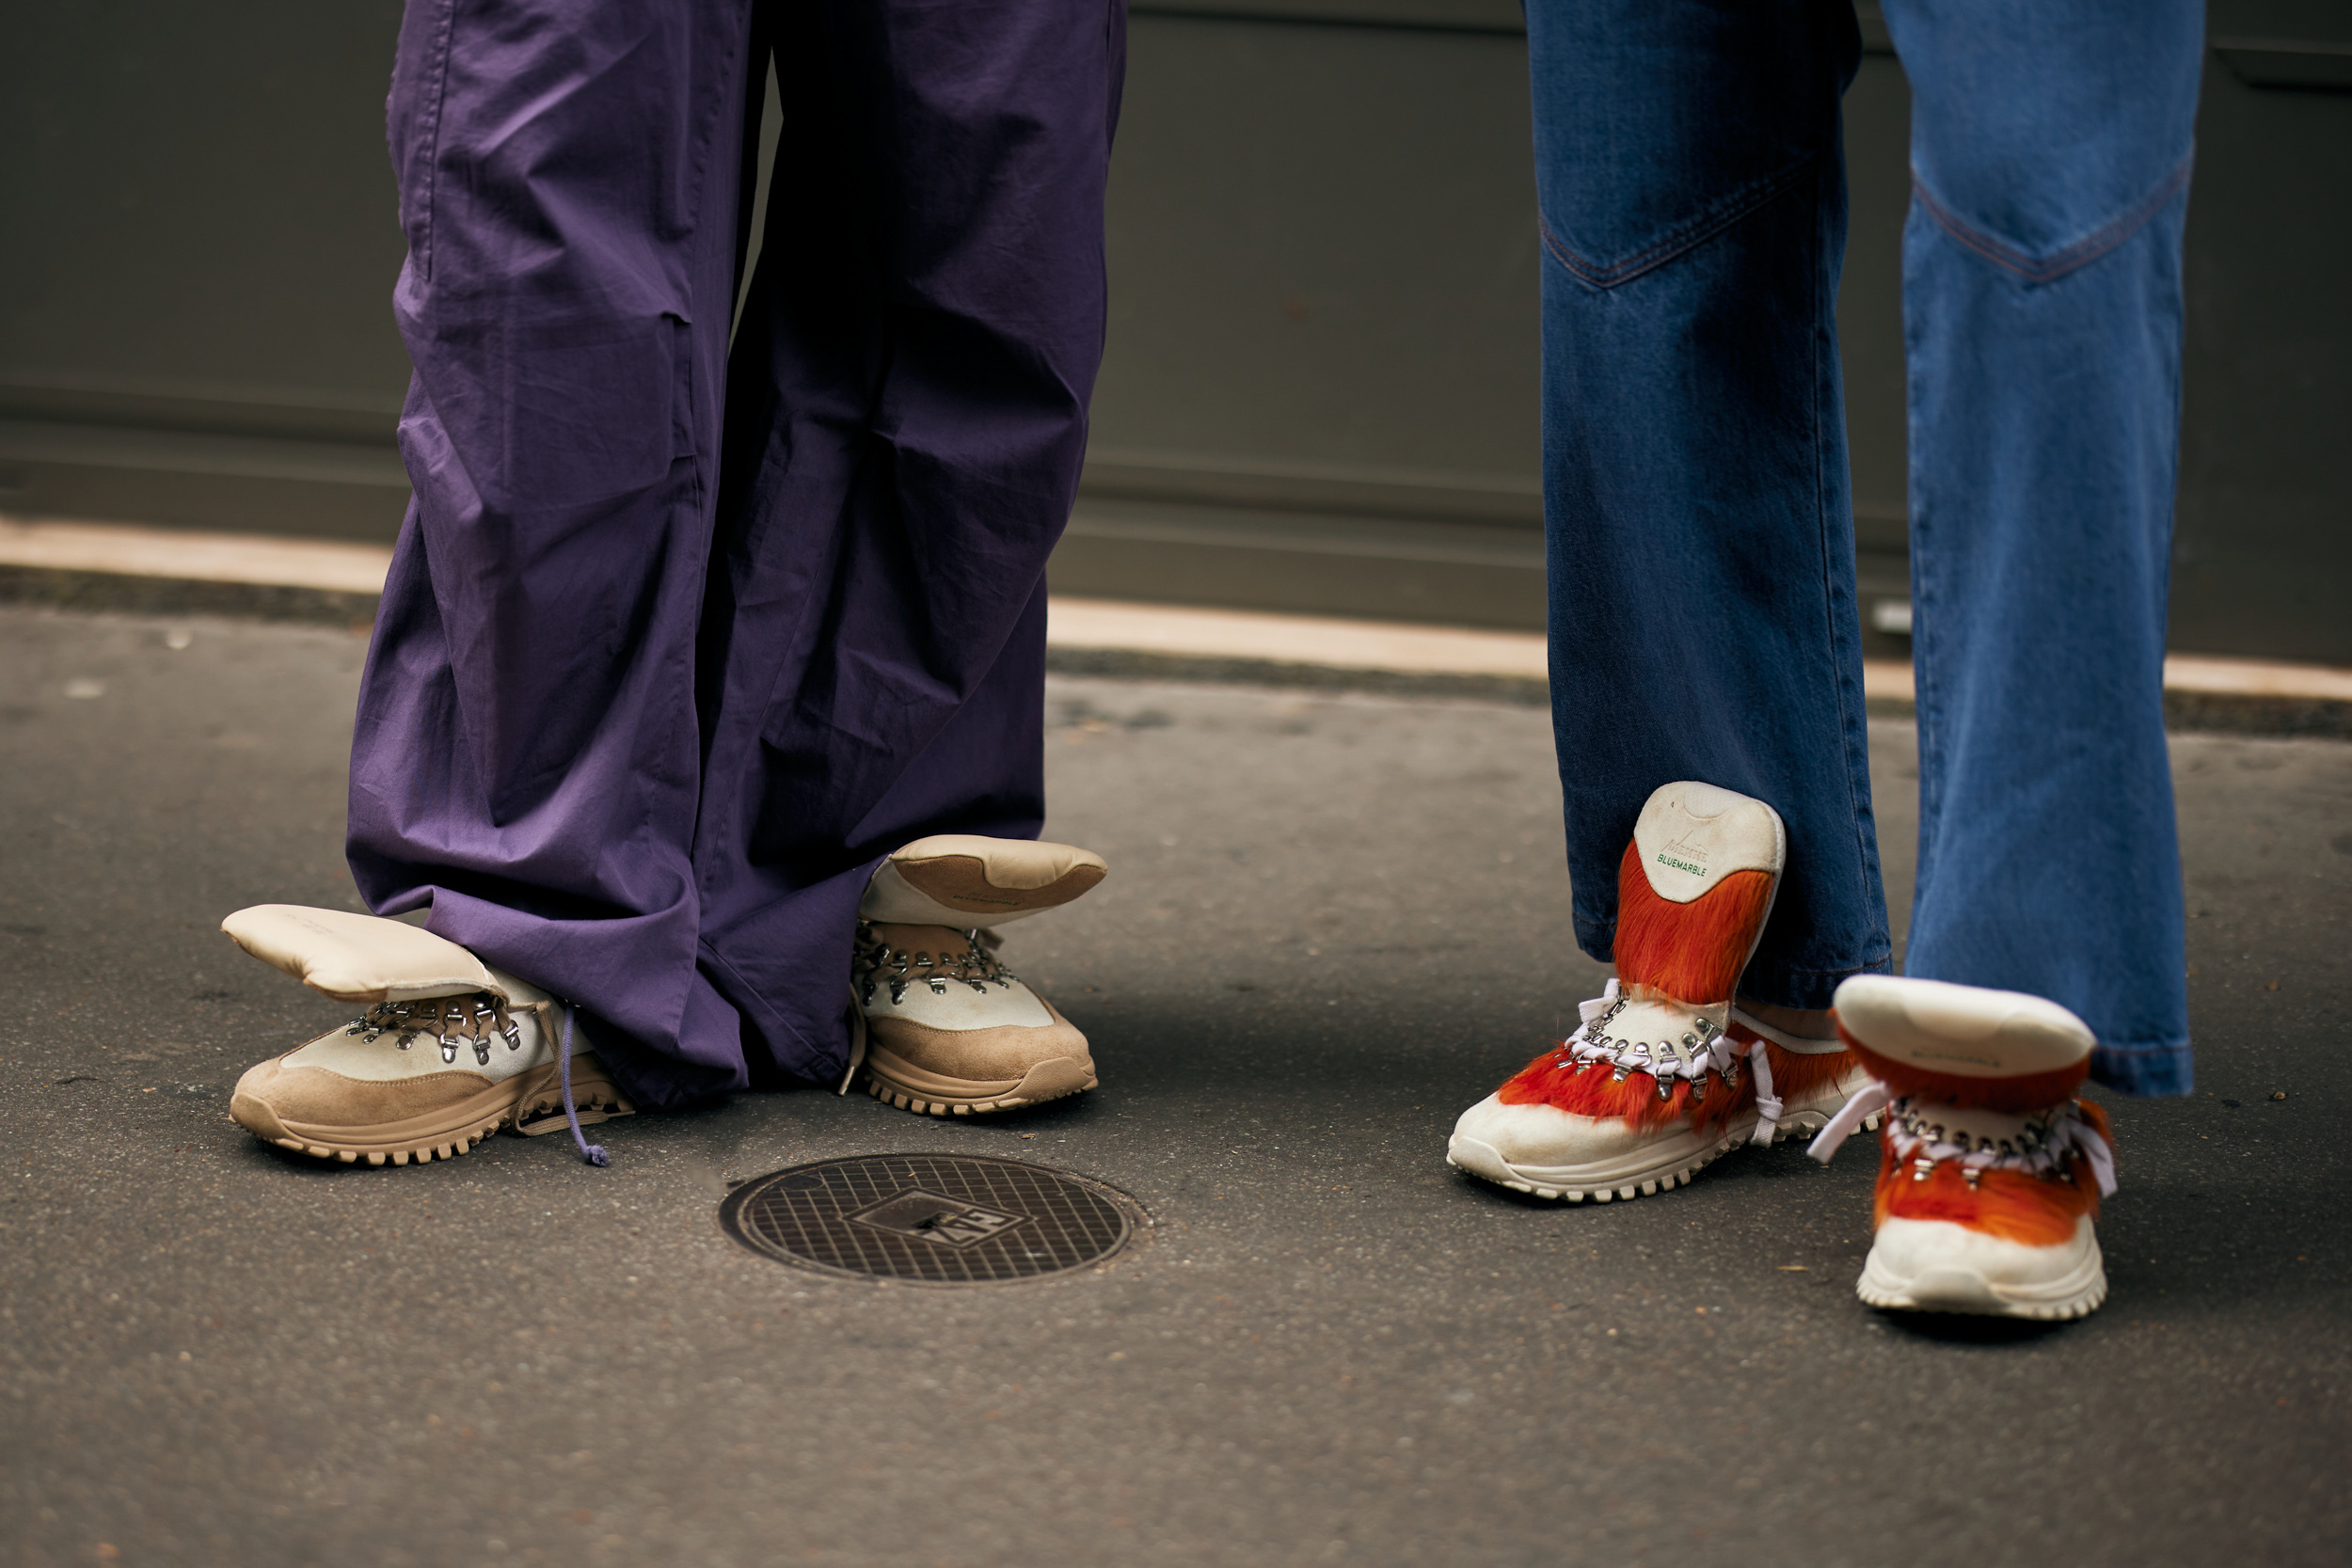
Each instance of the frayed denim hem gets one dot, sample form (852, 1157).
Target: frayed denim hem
(1777, 984)
(2144, 1069)
(1783, 987)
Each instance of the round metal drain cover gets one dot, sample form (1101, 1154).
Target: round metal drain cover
(932, 1219)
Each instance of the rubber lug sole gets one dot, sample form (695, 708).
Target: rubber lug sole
(1964, 1290)
(1646, 1184)
(537, 1108)
(1054, 1079)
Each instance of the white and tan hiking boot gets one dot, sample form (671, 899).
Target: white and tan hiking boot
(944, 1028)
(447, 1052)
(1990, 1171)
(1663, 1074)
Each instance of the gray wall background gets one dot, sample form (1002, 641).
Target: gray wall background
(1320, 387)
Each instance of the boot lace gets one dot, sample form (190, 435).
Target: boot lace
(874, 963)
(457, 1021)
(1694, 1044)
(1925, 1133)
(454, 1022)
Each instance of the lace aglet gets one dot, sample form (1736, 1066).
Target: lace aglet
(592, 1153)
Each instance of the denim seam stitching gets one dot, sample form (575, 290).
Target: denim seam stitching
(1683, 241)
(1927, 707)
(2049, 269)
(1866, 846)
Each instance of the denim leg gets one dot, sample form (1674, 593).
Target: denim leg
(2043, 308)
(1699, 530)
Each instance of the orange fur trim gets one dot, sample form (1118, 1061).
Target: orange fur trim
(1797, 1074)
(1691, 952)
(2022, 1095)
(2031, 1210)
(1592, 1089)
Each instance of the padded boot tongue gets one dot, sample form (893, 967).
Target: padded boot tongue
(964, 880)
(1960, 1031)
(1692, 835)
(1694, 890)
(362, 958)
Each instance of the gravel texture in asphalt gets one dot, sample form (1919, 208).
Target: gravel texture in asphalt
(1332, 922)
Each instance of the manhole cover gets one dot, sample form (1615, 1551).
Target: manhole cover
(934, 1219)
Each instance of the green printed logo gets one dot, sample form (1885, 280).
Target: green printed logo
(1681, 844)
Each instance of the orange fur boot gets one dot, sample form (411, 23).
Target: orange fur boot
(1663, 1075)
(1990, 1171)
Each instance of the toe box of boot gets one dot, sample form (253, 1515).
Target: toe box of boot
(281, 1095)
(1543, 1138)
(999, 1055)
(1941, 1266)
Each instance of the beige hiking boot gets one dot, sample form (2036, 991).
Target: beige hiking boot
(447, 1052)
(947, 1029)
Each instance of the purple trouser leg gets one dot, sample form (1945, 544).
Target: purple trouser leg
(652, 688)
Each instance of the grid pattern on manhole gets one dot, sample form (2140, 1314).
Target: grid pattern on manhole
(937, 1219)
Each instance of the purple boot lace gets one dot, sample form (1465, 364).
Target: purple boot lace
(593, 1153)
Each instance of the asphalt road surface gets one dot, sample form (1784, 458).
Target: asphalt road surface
(1331, 923)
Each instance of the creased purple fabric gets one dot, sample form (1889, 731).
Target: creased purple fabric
(673, 649)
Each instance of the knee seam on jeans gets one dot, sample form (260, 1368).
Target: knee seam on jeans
(2071, 258)
(1681, 241)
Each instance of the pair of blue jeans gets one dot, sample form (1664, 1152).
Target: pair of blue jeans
(1692, 188)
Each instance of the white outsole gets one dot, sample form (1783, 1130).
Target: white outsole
(1567, 1184)
(1966, 1291)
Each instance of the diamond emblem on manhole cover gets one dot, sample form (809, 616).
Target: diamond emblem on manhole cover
(927, 1216)
(931, 1219)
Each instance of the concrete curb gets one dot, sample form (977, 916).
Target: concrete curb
(92, 593)
(90, 568)
(1132, 664)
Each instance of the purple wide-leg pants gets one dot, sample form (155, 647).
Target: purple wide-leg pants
(680, 637)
